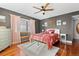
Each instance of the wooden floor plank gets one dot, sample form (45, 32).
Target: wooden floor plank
(65, 50)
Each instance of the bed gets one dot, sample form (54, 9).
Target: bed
(49, 37)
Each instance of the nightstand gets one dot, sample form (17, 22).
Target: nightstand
(65, 39)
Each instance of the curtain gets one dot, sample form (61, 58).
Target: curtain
(31, 26)
(15, 20)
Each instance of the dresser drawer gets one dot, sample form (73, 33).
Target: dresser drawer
(4, 42)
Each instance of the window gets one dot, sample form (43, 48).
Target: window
(23, 25)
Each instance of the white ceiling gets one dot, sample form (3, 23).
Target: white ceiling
(27, 9)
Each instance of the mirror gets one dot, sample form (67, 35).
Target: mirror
(2, 18)
(77, 28)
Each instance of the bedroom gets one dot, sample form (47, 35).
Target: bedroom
(23, 24)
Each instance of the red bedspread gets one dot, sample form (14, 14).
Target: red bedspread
(49, 39)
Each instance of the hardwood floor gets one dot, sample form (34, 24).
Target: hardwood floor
(69, 50)
(65, 50)
(10, 51)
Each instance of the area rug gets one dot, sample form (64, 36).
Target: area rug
(37, 49)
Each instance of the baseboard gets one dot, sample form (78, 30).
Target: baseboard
(67, 42)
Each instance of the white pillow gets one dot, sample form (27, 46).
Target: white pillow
(57, 31)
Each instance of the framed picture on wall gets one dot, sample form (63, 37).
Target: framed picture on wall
(45, 24)
(64, 23)
(58, 22)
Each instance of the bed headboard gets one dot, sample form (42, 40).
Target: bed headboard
(55, 30)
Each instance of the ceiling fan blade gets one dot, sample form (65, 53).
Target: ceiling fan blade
(49, 9)
(37, 12)
(37, 8)
(46, 5)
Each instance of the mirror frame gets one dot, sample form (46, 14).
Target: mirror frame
(77, 28)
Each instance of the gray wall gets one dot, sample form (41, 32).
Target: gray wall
(68, 28)
(51, 23)
(37, 26)
(7, 13)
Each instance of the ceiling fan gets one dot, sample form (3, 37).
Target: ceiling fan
(43, 8)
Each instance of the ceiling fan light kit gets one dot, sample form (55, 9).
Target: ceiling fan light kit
(43, 13)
